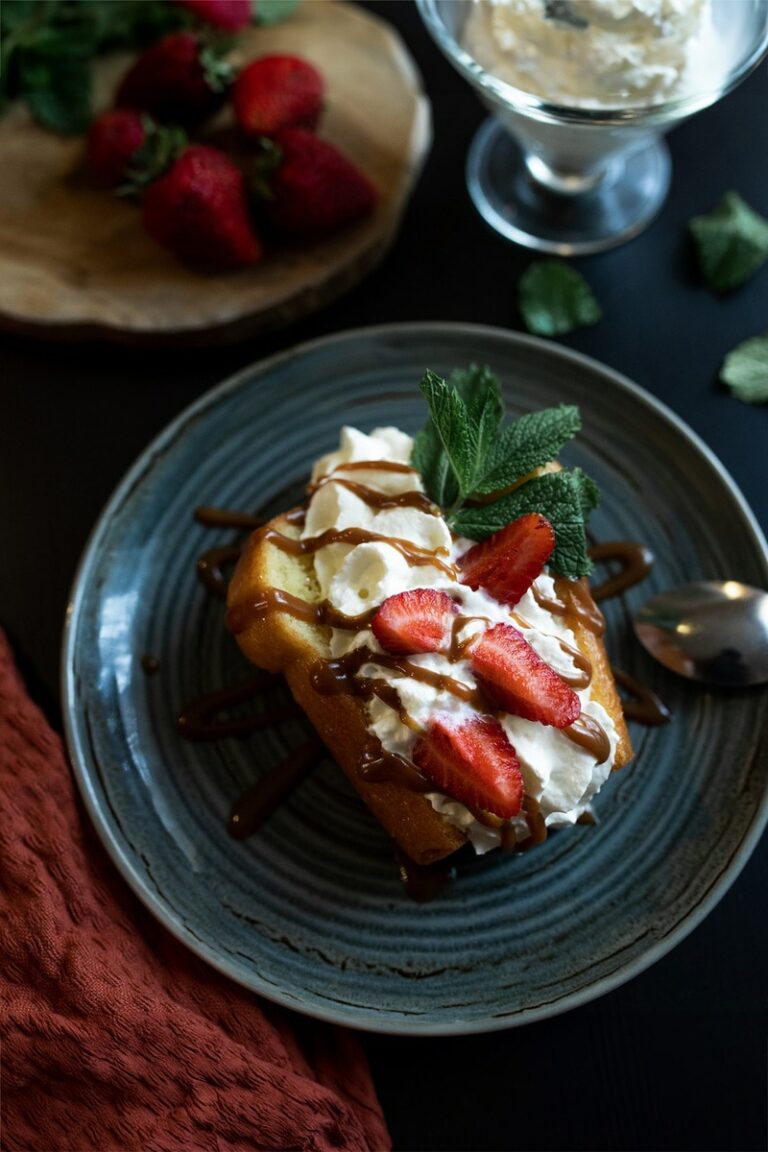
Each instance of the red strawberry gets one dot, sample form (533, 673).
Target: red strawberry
(314, 188)
(114, 138)
(180, 78)
(230, 14)
(472, 761)
(198, 210)
(519, 681)
(278, 92)
(415, 621)
(507, 563)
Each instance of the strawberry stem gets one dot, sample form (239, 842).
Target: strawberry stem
(162, 145)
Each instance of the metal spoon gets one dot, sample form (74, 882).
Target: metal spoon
(715, 631)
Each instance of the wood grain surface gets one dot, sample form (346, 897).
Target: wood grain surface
(75, 261)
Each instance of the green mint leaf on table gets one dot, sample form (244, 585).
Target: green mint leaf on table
(732, 243)
(745, 370)
(466, 457)
(564, 497)
(554, 299)
(530, 442)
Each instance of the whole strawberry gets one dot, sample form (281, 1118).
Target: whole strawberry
(198, 210)
(113, 141)
(230, 14)
(180, 78)
(314, 189)
(278, 92)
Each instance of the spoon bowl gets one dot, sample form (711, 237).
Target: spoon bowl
(714, 631)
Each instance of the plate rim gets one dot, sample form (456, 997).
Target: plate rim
(77, 759)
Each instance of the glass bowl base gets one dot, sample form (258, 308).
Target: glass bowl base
(522, 209)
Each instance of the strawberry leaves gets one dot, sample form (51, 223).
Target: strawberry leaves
(466, 457)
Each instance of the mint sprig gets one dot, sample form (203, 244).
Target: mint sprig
(480, 472)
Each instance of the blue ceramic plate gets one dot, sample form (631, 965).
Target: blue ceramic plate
(310, 912)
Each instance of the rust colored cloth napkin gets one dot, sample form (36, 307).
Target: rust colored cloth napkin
(115, 1036)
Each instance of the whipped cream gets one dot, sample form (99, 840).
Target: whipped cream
(559, 774)
(594, 53)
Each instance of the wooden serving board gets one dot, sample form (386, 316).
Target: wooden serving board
(76, 262)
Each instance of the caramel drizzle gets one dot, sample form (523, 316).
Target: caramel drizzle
(457, 648)
(636, 562)
(581, 677)
(644, 705)
(258, 803)
(380, 500)
(198, 720)
(377, 765)
(332, 677)
(580, 604)
(226, 518)
(240, 616)
(412, 553)
(588, 734)
(423, 882)
(212, 565)
(376, 466)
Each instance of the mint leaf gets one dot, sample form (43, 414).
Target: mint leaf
(47, 48)
(57, 82)
(732, 243)
(554, 299)
(272, 11)
(480, 390)
(15, 13)
(564, 497)
(428, 457)
(457, 431)
(533, 440)
(745, 370)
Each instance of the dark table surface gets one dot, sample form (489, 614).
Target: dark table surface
(677, 1058)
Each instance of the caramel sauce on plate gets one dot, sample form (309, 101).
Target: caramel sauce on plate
(201, 719)
(636, 562)
(268, 793)
(643, 705)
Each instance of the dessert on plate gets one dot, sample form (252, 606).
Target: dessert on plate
(428, 606)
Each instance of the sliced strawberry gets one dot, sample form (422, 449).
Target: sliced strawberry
(473, 762)
(507, 563)
(415, 621)
(519, 681)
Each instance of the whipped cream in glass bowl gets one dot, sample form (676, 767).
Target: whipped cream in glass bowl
(581, 92)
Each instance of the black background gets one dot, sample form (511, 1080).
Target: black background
(677, 1058)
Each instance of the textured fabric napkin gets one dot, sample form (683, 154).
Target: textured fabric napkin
(115, 1037)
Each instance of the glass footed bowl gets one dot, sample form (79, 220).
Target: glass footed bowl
(579, 176)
